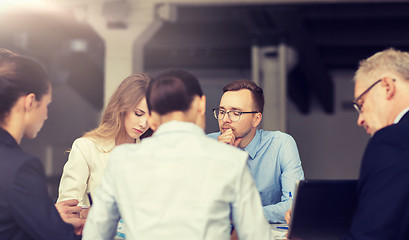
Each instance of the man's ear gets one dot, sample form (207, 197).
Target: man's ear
(390, 85)
(257, 119)
(29, 101)
(153, 121)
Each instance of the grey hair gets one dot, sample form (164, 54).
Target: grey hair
(389, 60)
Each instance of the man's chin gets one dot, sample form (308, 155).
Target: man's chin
(371, 132)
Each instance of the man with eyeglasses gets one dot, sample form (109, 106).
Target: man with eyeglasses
(382, 101)
(273, 161)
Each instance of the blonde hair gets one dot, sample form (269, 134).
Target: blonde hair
(128, 94)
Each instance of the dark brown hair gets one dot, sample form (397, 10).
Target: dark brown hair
(173, 90)
(256, 92)
(19, 76)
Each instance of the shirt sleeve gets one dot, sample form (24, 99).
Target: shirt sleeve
(104, 215)
(31, 206)
(214, 135)
(73, 184)
(248, 217)
(292, 172)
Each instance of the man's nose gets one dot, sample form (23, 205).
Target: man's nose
(360, 120)
(226, 118)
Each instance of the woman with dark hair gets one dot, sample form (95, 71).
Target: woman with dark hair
(26, 210)
(181, 184)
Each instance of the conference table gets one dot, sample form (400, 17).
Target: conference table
(278, 231)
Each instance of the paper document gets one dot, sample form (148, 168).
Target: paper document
(279, 231)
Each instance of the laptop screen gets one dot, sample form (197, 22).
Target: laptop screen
(323, 209)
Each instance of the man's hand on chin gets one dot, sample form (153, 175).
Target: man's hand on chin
(229, 138)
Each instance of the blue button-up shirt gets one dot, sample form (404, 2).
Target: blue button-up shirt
(275, 165)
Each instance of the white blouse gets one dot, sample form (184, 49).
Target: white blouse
(83, 170)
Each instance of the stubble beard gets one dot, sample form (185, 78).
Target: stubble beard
(244, 134)
(236, 135)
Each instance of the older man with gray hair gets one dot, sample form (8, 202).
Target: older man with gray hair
(382, 101)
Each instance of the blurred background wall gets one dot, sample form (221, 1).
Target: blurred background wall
(303, 54)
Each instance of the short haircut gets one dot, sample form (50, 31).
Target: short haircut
(389, 60)
(172, 90)
(19, 76)
(256, 92)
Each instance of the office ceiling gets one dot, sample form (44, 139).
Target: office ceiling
(326, 36)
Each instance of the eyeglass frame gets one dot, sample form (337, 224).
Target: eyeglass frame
(358, 107)
(228, 114)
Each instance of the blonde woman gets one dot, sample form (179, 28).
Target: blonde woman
(123, 121)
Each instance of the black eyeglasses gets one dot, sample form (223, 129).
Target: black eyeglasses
(234, 115)
(358, 106)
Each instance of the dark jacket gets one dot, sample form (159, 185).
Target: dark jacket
(26, 210)
(383, 186)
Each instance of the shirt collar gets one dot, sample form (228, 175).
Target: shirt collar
(178, 126)
(251, 148)
(400, 115)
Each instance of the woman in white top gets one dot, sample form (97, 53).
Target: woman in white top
(123, 121)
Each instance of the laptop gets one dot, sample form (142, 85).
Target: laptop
(322, 209)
